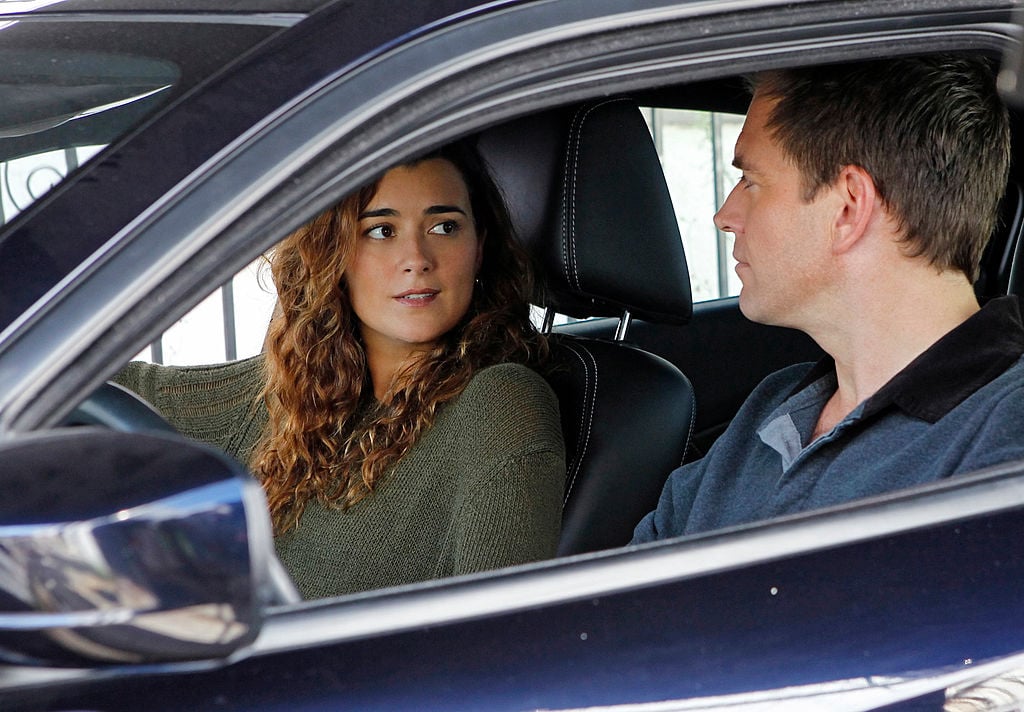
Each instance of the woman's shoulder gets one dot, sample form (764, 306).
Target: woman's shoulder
(504, 378)
(507, 401)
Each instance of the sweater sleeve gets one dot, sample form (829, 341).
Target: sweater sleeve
(514, 516)
(217, 404)
(509, 511)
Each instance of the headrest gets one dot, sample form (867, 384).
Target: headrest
(588, 197)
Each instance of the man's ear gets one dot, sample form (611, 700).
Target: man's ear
(858, 207)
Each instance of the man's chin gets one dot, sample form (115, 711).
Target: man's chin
(751, 309)
(748, 307)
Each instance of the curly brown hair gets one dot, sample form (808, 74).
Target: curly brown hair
(328, 438)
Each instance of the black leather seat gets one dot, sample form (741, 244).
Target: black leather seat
(1002, 263)
(1011, 223)
(589, 199)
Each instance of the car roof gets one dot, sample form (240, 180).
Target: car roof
(38, 7)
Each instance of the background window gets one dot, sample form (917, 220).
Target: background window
(696, 154)
(229, 324)
(24, 180)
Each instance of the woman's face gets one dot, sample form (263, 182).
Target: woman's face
(416, 258)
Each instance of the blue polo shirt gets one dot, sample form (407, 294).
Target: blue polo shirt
(957, 407)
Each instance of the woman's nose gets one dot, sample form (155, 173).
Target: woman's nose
(417, 256)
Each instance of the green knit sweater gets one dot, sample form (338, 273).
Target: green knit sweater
(481, 489)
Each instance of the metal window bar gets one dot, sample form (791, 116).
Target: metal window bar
(227, 299)
(718, 178)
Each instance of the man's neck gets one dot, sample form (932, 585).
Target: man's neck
(885, 335)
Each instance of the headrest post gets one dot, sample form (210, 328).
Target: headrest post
(623, 327)
(549, 320)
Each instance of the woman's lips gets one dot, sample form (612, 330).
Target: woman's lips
(418, 297)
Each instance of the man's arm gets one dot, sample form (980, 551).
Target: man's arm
(674, 505)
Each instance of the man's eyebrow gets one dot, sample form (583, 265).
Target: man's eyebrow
(439, 209)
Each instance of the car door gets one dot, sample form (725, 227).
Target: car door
(896, 601)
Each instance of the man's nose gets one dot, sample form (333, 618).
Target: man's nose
(727, 219)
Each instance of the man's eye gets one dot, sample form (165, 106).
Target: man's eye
(448, 227)
(380, 232)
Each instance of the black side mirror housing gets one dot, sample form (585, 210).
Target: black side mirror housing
(130, 548)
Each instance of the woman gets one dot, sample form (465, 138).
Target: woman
(393, 421)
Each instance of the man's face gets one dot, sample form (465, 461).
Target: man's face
(782, 241)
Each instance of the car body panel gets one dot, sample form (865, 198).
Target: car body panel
(869, 621)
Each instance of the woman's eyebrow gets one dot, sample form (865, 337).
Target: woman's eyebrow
(379, 213)
(391, 212)
(438, 209)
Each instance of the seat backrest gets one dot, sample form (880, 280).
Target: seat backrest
(1011, 224)
(588, 197)
(1002, 263)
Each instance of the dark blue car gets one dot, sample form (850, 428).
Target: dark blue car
(151, 149)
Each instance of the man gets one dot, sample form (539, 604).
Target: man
(867, 196)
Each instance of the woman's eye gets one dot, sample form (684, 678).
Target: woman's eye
(448, 227)
(380, 232)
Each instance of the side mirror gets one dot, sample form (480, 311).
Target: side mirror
(137, 548)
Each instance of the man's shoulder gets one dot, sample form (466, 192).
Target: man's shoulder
(774, 390)
(1007, 385)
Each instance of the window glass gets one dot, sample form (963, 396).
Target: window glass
(229, 324)
(24, 180)
(59, 107)
(696, 153)
(71, 85)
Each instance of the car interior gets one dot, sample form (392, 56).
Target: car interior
(649, 367)
(646, 379)
(627, 414)
(630, 412)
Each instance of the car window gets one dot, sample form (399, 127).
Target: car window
(231, 323)
(28, 178)
(70, 88)
(696, 153)
(62, 106)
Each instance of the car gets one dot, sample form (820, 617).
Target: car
(192, 135)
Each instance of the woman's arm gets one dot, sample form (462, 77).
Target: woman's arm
(510, 508)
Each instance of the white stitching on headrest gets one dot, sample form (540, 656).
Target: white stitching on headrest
(569, 191)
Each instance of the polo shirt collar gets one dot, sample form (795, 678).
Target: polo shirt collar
(951, 369)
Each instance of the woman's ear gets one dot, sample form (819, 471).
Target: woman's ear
(481, 237)
(858, 206)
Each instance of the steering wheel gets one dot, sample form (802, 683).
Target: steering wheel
(118, 408)
(114, 406)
